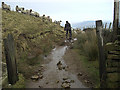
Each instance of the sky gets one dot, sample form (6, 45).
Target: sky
(69, 10)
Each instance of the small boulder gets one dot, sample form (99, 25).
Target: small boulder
(57, 81)
(65, 78)
(35, 77)
(86, 81)
(47, 82)
(39, 70)
(42, 66)
(80, 74)
(64, 67)
(60, 67)
(41, 76)
(59, 63)
(65, 85)
(67, 81)
(39, 86)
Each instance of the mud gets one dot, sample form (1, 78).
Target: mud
(52, 76)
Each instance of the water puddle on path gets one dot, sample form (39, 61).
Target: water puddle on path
(52, 76)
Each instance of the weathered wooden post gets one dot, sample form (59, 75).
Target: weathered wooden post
(102, 61)
(105, 26)
(118, 38)
(102, 25)
(116, 19)
(110, 25)
(119, 21)
(10, 54)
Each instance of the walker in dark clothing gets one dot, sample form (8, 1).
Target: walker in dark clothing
(68, 30)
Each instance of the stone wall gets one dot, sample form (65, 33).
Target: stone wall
(113, 64)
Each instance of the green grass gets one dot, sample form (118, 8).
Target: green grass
(87, 43)
(88, 50)
(33, 39)
(91, 67)
(31, 34)
(86, 46)
(19, 84)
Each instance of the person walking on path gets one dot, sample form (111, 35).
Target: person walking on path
(68, 30)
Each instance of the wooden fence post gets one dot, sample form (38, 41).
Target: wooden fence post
(118, 67)
(10, 54)
(116, 19)
(110, 25)
(105, 26)
(102, 62)
(119, 21)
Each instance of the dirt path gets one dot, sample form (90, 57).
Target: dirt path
(72, 58)
(52, 76)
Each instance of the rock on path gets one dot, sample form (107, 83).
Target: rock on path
(55, 77)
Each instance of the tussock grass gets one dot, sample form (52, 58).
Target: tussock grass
(86, 46)
(31, 34)
(87, 43)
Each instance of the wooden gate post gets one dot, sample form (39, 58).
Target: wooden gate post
(102, 62)
(118, 33)
(116, 19)
(119, 21)
(10, 54)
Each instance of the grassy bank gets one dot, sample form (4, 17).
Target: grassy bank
(34, 39)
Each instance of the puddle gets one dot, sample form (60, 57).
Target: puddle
(52, 74)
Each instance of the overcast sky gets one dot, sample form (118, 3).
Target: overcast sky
(71, 10)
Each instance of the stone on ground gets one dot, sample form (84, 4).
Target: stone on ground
(35, 77)
(65, 85)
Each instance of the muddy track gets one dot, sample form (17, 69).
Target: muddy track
(54, 76)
